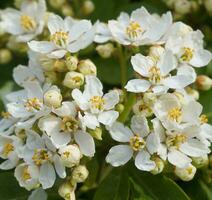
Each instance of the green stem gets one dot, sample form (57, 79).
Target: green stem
(130, 101)
(123, 65)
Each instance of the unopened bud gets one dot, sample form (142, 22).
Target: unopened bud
(105, 50)
(169, 3)
(194, 6)
(53, 98)
(141, 108)
(73, 80)
(79, 174)
(159, 166)
(50, 77)
(71, 62)
(192, 92)
(149, 98)
(87, 67)
(156, 52)
(60, 66)
(186, 174)
(66, 191)
(5, 56)
(119, 107)
(70, 155)
(208, 6)
(203, 82)
(56, 4)
(88, 7)
(182, 6)
(96, 133)
(67, 10)
(199, 162)
(46, 63)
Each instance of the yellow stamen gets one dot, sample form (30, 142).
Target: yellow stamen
(60, 38)
(40, 156)
(97, 102)
(69, 124)
(203, 119)
(187, 55)
(5, 115)
(134, 30)
(28, 23)
(175, 114)
(176, 141)
(33, 103)
(155, 75)
(26, 175)
(66, 154)
(137, 143)
(7, 149)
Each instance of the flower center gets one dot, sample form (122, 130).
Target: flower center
(137, 143)
(28, 23)
(66, 154)
(33, 103)
(5, 115)
(60, 38)
(175, 141)
(203, 119)
(155, 75)
(7, 149)
(40, 156)
(187, 55)
(26, 175)
(97, 102)
(134, 30)
(69, 124)
(175, 114)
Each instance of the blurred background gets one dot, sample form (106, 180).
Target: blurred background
(196, 13)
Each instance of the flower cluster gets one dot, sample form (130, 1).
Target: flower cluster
(51, 124)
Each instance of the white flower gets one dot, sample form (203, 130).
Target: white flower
(66, 35)
(189, 49)
(187, 173)
(27, 23)
(138, 140)
(155, 74)
(140, 28)
(7, 121)
(27, 176)
(175, 114)
(40, 152)
(9, 150)
(102, 33)
(96, 107)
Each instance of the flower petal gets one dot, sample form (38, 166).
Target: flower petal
(137, 86)
(139, 125)
(108, 117)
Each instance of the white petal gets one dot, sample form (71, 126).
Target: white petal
(143, 162)
(47, 175)
(120, 133)
(67, 109)
(60, 139)
(139, 125)
(201, 58)
(119, 155)
(85, 142)
(90, 121)
(38, 194)
(111, 99)
(59, 167)
(55, 23)
(108, 117)
(137, 86)
(79, 99)
(153, 143)
(41, 46)
(178, 159)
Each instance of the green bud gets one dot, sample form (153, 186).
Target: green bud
(71, 63)
(96, 133)
(5, 56)
(119, 107)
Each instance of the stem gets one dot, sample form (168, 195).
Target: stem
(130, 101)
(123, 65)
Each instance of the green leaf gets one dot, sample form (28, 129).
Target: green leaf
(114, 187)
(158, 187)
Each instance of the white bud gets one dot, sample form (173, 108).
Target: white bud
(192, 92)
(67, 191)
(53, 98)
(105, 50)
(87, 67)
(203, 82)
(60, 66)
(199, 162)
(79, 174)
(71, 62)
(56, 4)
(186, 174)
(156, 52)
(5, 56)
(182, 6)
(73, 80)
(67, 10)
(88, 7)
(208, 6)
(70, 155)
(159, 166)
(47, 63)
(141, 108)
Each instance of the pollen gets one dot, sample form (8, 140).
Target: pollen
(69, 124)
(97, 102)
(26, 175)
(175, 114)
(187, 55)
(134, 30)
(176, 141)
(137, 143)
(60, 38)
(66, 154)
(40, 156)
(5, 115)
(7, 149)
(33, 103)
(28, 23)
(155, 75)
(203, 119)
